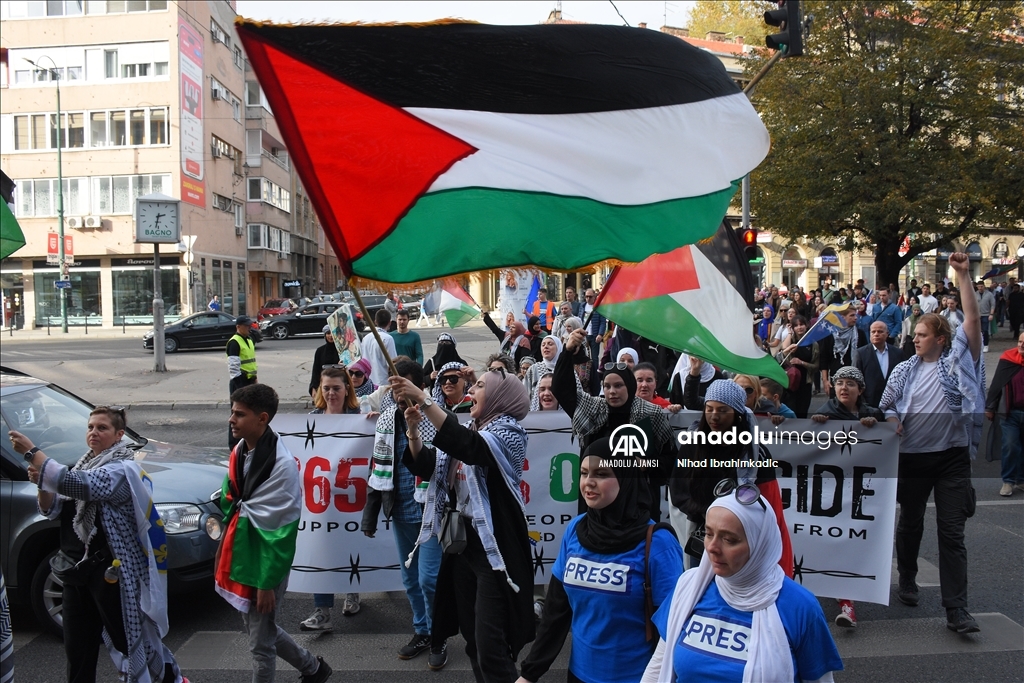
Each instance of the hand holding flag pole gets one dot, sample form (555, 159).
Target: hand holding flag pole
(831, 319)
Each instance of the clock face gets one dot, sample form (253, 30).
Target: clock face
(157, 221)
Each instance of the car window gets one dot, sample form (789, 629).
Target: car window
(225, 319)
(328, 309)
(310, 310)
(53, 420)
(205, 320)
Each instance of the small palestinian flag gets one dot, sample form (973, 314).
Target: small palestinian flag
(697, 299)
(437, 149)
(458, 306)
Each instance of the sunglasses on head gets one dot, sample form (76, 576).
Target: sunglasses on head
(746, 494)
(616, 366)
(500, 371)
(117, 409)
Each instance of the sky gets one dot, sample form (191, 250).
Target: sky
(490, 12)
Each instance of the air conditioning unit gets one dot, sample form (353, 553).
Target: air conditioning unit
(74, 222)
(93, 222)
(216, 94)
(215, 150)
(239, 231)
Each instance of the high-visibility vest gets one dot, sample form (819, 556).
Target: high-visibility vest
(549, 318)
(246, 354)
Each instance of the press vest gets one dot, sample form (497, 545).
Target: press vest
(247, 355)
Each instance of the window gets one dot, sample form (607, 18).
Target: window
(261, 189)
(239, 211)
(222, 203)
(218, 34)
(221, 148)
(51, 8)
(110, 63)
(254, 96)
(101, 195)
(158, 131)
(236, 109)
(105, 129)
(120, 6)
(160, 68)
(258, 236)
(239, 60)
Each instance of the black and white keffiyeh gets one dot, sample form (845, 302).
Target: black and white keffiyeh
(592, 415)
(382, 470)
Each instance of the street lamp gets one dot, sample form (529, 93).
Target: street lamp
(1020, 264)
(60, 197)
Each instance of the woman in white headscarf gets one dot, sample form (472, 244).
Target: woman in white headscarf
(763, 626)
(550, 349)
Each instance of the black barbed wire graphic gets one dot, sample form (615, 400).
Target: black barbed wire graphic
(799, 571)
(539, 561)
(559, 430)
(311, 435)
(354, 569)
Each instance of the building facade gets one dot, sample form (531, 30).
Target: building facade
(154, 97)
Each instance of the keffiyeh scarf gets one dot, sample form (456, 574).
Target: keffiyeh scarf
(382, 470)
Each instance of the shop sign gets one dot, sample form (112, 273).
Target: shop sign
(794, 263)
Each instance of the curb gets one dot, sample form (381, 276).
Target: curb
(212, 405)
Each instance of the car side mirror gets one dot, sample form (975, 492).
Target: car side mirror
(190, 323)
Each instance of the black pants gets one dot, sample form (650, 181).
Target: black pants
(948, 473)
(87, 611)
(482, 604)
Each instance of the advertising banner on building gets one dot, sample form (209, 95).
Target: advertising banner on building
(190, 66)
(513, 292)
(838, 484)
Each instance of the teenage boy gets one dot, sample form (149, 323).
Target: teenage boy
(261, 502)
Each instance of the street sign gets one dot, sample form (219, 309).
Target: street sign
(62, 284)
(52, 249)
(69, 249)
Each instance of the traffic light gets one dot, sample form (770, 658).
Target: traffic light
(789, 18)
(748, 240)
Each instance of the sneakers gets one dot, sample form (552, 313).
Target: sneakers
(1006, 490)
(417, 646)
(319, 620)
(351, 605)
(846, 617)
(438, 657)
(322, 673)
(538, 610)
(960, 620)
(984, 349)
(907, 592)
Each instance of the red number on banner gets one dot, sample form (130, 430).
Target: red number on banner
(348, 484)
(317, 486)
(525, 489)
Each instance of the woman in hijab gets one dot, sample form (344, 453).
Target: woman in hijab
(596, 417)
(360, 374)
(514, 341)
(629, 356)
(777, 629)
(764, 325)
(450, 389)
(691, 489)
(550, 349)
(906, 340)
(485, 590)
(544, 398)
(606, 613)
(582, 369)
(534, 334)
(697, 376)
(444, 354)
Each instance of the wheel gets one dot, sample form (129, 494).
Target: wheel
(279, 332)
(48, 598)
(170, 344)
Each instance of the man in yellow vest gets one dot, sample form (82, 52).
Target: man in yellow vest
(241, 356)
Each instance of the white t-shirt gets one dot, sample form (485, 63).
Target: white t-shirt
(371, 352)
(929, 426)
(929, 303)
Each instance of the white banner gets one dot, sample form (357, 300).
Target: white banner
(838, 484)
(515, 288)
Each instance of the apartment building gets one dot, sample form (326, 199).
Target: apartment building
(154, 97)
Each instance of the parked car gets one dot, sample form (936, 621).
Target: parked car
(308, 320)
(275, 307)
(411, 304)
(186, 490)
(200, 330)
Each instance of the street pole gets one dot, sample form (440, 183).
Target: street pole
(64, 272)
(746, 201)
(158, 313)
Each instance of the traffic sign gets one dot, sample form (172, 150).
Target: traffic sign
(62, 284)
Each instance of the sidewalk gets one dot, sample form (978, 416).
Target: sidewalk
(130, 332)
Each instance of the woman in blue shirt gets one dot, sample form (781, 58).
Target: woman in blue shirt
(597, 581)
(738, 617)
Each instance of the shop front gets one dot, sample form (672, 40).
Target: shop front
(132, 285)
(793, 267)
(828, 267)
(84, 300)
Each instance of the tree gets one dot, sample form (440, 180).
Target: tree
(903, 118)
(732, 17)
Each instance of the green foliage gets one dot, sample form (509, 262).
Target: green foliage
(902, 118)
(732, 17)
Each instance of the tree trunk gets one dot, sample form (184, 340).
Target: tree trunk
(888, 262)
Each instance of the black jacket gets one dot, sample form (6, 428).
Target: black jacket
(864, 360)
(326, 354)
(1005, 371)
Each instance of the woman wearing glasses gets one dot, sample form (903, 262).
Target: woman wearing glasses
(115, 585)
(335, 396)
(450, 389)
(475, 471)
(598, 581)
(738, 617)
(691, 489)
(596, 417)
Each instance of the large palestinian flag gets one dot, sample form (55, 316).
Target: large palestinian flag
(697, 299)
(438, 149)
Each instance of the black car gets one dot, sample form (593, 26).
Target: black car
(186, 491)
(306, 320)
(200, 330)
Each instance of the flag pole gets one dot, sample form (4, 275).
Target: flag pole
(816, 323)
(373, 329)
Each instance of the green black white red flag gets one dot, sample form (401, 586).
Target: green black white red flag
(697, 299)
(437, 149)
(458, 306)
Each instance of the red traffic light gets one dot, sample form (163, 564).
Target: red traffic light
(749, 238)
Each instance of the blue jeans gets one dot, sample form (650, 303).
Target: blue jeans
(420, 577)
(1013, 453)
(984, 330)
(323, 600)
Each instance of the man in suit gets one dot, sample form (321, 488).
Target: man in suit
(876, 360)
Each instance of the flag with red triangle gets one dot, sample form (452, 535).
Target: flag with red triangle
(696, 299)
(458, 306)
(438, 149)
